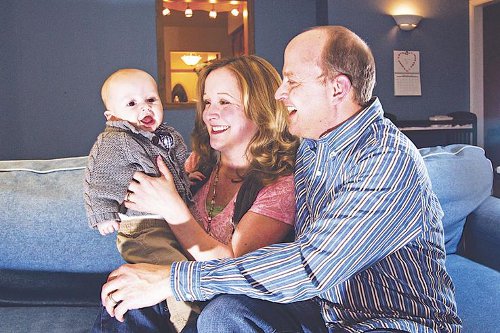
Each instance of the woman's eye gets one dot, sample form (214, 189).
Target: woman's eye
(151, 100)
(206, 102)
(223, 102)
(131, 103)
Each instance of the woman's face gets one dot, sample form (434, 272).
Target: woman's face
(229, 129)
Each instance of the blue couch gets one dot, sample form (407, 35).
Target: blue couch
(52, 265)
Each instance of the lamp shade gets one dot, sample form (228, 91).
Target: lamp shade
(407, 22)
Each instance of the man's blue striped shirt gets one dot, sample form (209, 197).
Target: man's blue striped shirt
(369, 239)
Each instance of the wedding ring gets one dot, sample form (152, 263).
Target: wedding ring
(110, 297)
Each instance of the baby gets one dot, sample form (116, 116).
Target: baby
(133, 138)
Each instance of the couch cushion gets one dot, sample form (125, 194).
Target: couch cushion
(462, 178)
(477, 290)
(481, 237)
(43, 226)
(32, 288)
(47, 319)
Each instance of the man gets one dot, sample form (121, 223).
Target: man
(369, 248)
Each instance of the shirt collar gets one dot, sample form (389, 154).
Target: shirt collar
(128, 126)
(350, 130)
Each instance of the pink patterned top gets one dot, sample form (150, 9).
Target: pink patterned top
(276, 200)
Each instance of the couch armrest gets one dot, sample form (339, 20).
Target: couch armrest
(481, 236)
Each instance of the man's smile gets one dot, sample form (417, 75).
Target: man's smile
(291, 110)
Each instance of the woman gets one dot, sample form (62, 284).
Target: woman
(245, 156)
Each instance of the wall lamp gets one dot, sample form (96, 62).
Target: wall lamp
(407, 22)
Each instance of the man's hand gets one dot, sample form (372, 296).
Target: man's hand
(135, 286)
(108, 227)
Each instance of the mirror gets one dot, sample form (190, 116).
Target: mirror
(190, 34)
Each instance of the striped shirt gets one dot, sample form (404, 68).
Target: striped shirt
(369, 239)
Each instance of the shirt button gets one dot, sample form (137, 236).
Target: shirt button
(333, 154)
(318, 173)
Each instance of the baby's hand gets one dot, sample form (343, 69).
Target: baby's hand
(195, 177)
(108, 227)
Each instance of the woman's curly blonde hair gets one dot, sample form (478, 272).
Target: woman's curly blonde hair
(272, 150)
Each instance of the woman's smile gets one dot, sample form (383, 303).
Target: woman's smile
(217, 129)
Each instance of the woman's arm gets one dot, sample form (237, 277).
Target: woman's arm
(159, 196)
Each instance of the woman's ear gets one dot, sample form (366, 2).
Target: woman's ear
(341, 86)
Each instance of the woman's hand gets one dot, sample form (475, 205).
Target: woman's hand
(157, 195)
(135, 286)
(195, 177)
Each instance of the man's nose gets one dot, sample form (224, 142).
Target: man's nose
(280, 93)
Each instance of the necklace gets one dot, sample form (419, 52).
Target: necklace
(211, 205)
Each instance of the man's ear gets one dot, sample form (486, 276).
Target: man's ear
(341, 87)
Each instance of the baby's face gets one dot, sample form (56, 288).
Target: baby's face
(134, 97)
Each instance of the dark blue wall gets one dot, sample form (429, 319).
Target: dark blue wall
(278, 21)
(442, 38)
(57, 53)
(491, 26)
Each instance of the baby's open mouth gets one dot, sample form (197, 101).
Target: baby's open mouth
(148, 121)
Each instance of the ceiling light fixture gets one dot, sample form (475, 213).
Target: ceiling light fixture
(235, 11)
(213, 13)
(188, 12)
(191, 59)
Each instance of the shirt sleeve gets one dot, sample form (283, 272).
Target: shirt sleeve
(112, 162)
(104, 189)
(375, 210)
(191, 162)
(277, 201)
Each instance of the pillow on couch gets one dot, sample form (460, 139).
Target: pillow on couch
(462, 178)
(43, 226)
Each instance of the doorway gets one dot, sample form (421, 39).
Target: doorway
(191, 34)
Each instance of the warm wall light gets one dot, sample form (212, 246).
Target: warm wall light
(407, 22)
(235, 11)
(166, 12)
(188, 12)
(191, 59)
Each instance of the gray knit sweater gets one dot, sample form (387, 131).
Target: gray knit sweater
(118, 153)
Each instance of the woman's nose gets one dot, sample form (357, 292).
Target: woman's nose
(212, 111)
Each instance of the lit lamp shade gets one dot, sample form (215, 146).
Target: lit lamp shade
(407, 22)
(191, 59)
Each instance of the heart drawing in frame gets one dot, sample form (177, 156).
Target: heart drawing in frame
(407, 60)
